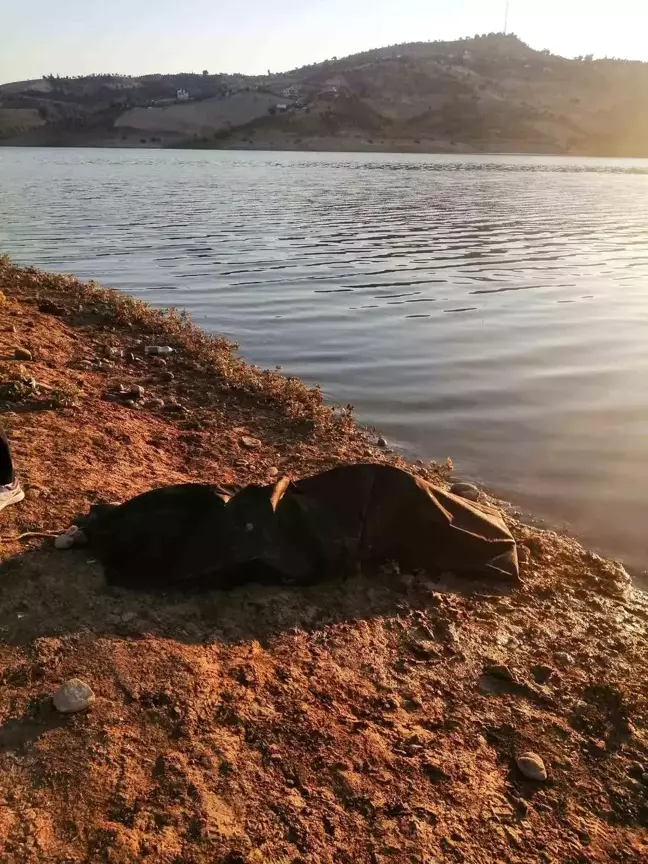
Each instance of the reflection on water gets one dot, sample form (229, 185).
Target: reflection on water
(493, 309)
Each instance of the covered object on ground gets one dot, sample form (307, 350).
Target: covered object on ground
(298, 532)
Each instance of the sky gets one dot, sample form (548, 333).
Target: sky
(78, 37)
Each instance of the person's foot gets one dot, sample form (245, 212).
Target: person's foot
(11, 494)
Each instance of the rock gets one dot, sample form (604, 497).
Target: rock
(50, 308)
(465, 490)
(564, 659)
(381, 442)
(498, 670)
(154, 403)
(167, 376)
(524, 556)
(136, 392)
(128, 616)
(64, 541)
(173, 406)
(532, 766)
(434, 771)
(22, 354)
(644, 779)
(542, 673)
(272, 472)
(636, 769)
(73, 696)
(250, 443)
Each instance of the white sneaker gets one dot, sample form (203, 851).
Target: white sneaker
(11, 494)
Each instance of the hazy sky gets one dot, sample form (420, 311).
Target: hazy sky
(136, 36)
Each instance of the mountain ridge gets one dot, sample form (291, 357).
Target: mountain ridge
(489, 93)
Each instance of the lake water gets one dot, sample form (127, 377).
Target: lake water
(492, 309)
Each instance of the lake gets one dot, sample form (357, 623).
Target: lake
(492, 309)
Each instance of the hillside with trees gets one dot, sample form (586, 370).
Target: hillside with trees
(490, 93)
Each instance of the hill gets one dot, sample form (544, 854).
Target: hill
(484, 94)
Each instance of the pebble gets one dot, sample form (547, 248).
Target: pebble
(644, 779)
(155, 403)
(136, 391)
(381, 442)
(250, 443)
(542, 673)
(73, 696)
(636, 769)
(532, 766)
(22, 354)
(64, 541)
(273, 471)
(498, 670)
(564, 659)
(465, 490)
(524, 556)
(167, 376)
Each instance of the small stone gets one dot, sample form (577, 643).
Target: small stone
(50, 308)
(136, 392)
(434, 771)
(73, 696)
(532, 766)
(130, 403)
(174, 406)
(542, 673)
(22, 354)
(272, 472)
(636, 769)
(644, 779)
(250, 443)
(64, 541)
(465, 490)
(167, 376)
(381, 442)
(564, 659)
(523, 554)
(154, 403)
(498, 670)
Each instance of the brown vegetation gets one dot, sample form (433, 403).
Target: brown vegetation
(490, 93)
(373, 720)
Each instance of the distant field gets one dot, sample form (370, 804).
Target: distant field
(201, 117)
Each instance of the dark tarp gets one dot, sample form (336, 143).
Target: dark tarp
(297, 532)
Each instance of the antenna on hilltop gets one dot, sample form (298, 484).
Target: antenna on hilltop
(506, 17)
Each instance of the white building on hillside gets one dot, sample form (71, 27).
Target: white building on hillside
(182, 96)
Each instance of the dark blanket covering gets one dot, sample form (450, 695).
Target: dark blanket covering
(301, 532)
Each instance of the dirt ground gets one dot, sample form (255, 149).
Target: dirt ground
(375, 720)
